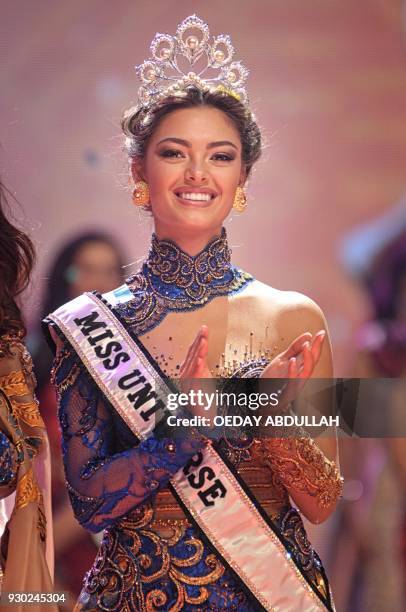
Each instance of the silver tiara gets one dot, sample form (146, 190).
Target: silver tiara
(167, 73)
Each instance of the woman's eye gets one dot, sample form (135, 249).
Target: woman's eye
(171, 153)
(223, 157)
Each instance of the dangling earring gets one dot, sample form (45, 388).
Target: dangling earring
(240, 200)
(141, 194)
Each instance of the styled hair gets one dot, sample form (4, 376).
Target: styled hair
(17, 257)
(139, 124)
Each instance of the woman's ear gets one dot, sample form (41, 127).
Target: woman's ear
(137, 169)
(243, 177)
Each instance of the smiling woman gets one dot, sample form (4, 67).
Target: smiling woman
(191, 524)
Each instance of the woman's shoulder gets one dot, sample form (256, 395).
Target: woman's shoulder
(280, 301)
(289, 309)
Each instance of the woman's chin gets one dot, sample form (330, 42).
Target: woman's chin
(199, 220)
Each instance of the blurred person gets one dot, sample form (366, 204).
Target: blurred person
(26, 544)
(190, 313)
(382, 344)
(382, 340)
(370, 556)
(90, 261)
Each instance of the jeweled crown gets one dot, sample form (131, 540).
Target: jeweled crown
(162, 75)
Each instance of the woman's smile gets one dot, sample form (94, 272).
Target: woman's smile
(199, 197)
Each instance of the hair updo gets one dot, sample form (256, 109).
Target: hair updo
(139, 124)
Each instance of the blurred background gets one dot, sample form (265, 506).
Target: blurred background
(326, 213)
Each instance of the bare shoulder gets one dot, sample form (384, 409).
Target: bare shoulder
(286, 307)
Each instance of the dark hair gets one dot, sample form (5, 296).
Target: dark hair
(384, 277)
(57, 293)
(17, 257)
(139, 124)
(57, 290)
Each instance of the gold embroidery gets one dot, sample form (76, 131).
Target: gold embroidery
(42, 521)
(199, 599)
(9, 341)
(69, 380)
(14, 384)
(211, 561)
(27, 490)
(29, 413)
(157, 598)
(150, 551)
(300, 465)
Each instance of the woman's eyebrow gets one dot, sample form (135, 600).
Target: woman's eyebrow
(221, 143)
(186, 143)
(180, 141)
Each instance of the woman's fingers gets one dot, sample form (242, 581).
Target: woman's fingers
(292, 368)
(303, 355)
(200, 358)
(186, 365)
(199, 368)
(200, 352)
(308, 362)
(197, 351)
(317, 345)
(297, 345)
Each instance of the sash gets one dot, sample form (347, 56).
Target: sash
(209, 490)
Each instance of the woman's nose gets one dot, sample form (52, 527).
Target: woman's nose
(195, 174)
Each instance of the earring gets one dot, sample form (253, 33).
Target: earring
(240, 200)
(141, 194)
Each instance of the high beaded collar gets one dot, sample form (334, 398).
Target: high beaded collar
(172, 280)
(176, 274)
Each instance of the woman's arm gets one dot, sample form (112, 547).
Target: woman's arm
(308, 469)
(106, 483)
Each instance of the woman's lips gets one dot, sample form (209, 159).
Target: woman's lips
(195, 203)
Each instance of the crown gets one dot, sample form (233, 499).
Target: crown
(164, 73)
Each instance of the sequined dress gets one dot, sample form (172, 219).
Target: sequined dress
(151, 556)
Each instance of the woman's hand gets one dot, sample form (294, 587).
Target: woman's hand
(195, 364)
(297, 362)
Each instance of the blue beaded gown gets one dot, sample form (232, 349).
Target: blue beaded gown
(151, 556)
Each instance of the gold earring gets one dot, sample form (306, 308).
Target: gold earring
(240, 200)
(141, 194)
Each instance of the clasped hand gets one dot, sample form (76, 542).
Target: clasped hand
(296, 363)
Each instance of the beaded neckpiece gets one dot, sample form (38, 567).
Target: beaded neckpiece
(171, 280)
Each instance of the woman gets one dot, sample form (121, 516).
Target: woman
(26, 546)
(190, 524)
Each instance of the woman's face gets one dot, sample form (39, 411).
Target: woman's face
(96, 267)
(193, 166)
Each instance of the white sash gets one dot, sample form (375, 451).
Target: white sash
(206, 486)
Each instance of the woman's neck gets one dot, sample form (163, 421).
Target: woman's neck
(191, 243)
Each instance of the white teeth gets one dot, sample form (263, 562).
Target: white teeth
(201, 197)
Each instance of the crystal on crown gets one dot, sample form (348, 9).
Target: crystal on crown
(162, 76)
